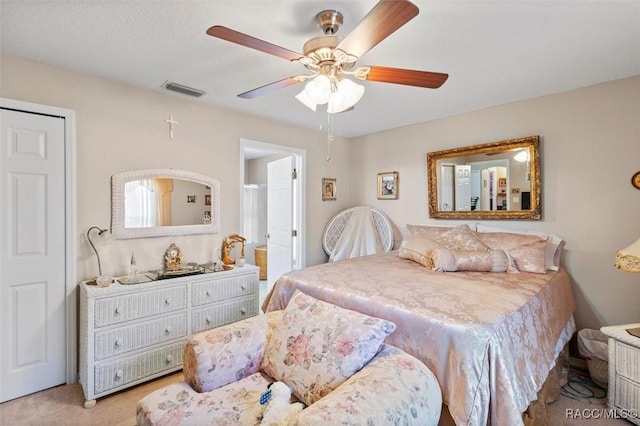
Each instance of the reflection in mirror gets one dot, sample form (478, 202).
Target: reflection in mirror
(498, 180)
(156, 202)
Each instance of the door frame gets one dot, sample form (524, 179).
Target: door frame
(299, 186)
(71, 312)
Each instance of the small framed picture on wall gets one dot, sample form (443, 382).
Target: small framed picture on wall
(328, 189)
(388, 186)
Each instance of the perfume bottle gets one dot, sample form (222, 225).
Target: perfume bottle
(133, 268)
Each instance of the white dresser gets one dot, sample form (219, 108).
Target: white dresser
(624, 372)
(133, 333)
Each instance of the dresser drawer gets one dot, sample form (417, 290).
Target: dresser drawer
(111, 375)
(224, 313)
(114, 310)
(628, 361)
(627, 394)
(204, 292)
(126, 339)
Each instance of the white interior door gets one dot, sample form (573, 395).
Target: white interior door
(463, 187)
(32, 253)
(445, 201)
(279, 218)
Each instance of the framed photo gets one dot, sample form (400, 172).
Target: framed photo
(207, 200)
(388, 186)
(191, 198)
(328, 189)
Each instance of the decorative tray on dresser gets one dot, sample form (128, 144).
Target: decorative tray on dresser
(133, 333)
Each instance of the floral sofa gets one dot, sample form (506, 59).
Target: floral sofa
(333, 359)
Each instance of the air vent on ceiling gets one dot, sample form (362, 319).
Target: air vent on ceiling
(185, 90)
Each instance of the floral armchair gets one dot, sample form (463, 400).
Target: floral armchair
(336, 364)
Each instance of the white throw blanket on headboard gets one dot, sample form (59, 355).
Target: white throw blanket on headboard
(359, 237)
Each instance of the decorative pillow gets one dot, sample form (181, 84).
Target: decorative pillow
(317, 346)
(461, 238)
(446, 260)
(553, 248)
(419, 249)
(530, 257)
(428, 231)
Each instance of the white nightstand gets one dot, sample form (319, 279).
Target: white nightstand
(624, 371)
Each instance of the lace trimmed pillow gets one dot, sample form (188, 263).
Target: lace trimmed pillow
(461, 238)
(527, 251)
(456, 249)
(445, 260)
(317, 346)
(419, 248)
(428, 231)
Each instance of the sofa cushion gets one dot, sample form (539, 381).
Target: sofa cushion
(225, 354)
(394, 388)
(234, 404)
(317, 346)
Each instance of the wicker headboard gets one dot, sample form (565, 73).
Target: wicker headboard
(336, 225)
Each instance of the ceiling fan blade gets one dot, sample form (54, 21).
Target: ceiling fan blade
(268, 88)
(382, 21)
(430, 80)
(242, 39)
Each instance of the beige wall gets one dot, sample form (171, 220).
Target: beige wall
(121, 128)
(590, 149)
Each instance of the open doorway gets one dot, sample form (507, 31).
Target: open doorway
(276, 229)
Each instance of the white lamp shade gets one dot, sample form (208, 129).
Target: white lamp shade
(628, 259)
(319, 89)
(306, 100)
(347, 95)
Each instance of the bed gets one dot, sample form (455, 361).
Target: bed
(490, 338)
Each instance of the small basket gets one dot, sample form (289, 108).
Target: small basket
(261, 260)
(599, 371)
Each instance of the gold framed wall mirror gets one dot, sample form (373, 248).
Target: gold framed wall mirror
(496, 180)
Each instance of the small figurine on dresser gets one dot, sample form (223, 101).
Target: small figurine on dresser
(228, 245)
(172, 258)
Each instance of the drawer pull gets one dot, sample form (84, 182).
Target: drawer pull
(119, 374)
(118, 310)
(168, 330)
(167, 301)
(169, 358)
(208, 293)
(118, 342)
(208, 320)
(243, 287)
(243, 311)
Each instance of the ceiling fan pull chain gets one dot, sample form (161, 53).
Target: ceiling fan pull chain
(330, 136)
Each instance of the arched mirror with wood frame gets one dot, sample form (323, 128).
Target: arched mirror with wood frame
(497, 180)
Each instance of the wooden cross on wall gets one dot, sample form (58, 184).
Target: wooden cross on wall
(171, 122)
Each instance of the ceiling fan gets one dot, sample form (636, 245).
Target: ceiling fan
(331, 58)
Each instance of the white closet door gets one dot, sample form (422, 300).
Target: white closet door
(32, 253)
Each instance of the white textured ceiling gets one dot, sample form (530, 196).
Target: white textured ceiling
(495, 52)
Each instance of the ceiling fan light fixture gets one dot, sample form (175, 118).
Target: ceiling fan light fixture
(347, 95)
(319, 89)
(306, 100)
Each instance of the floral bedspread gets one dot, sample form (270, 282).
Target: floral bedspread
(490, 338)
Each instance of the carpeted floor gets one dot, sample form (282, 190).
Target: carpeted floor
(582, 403)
